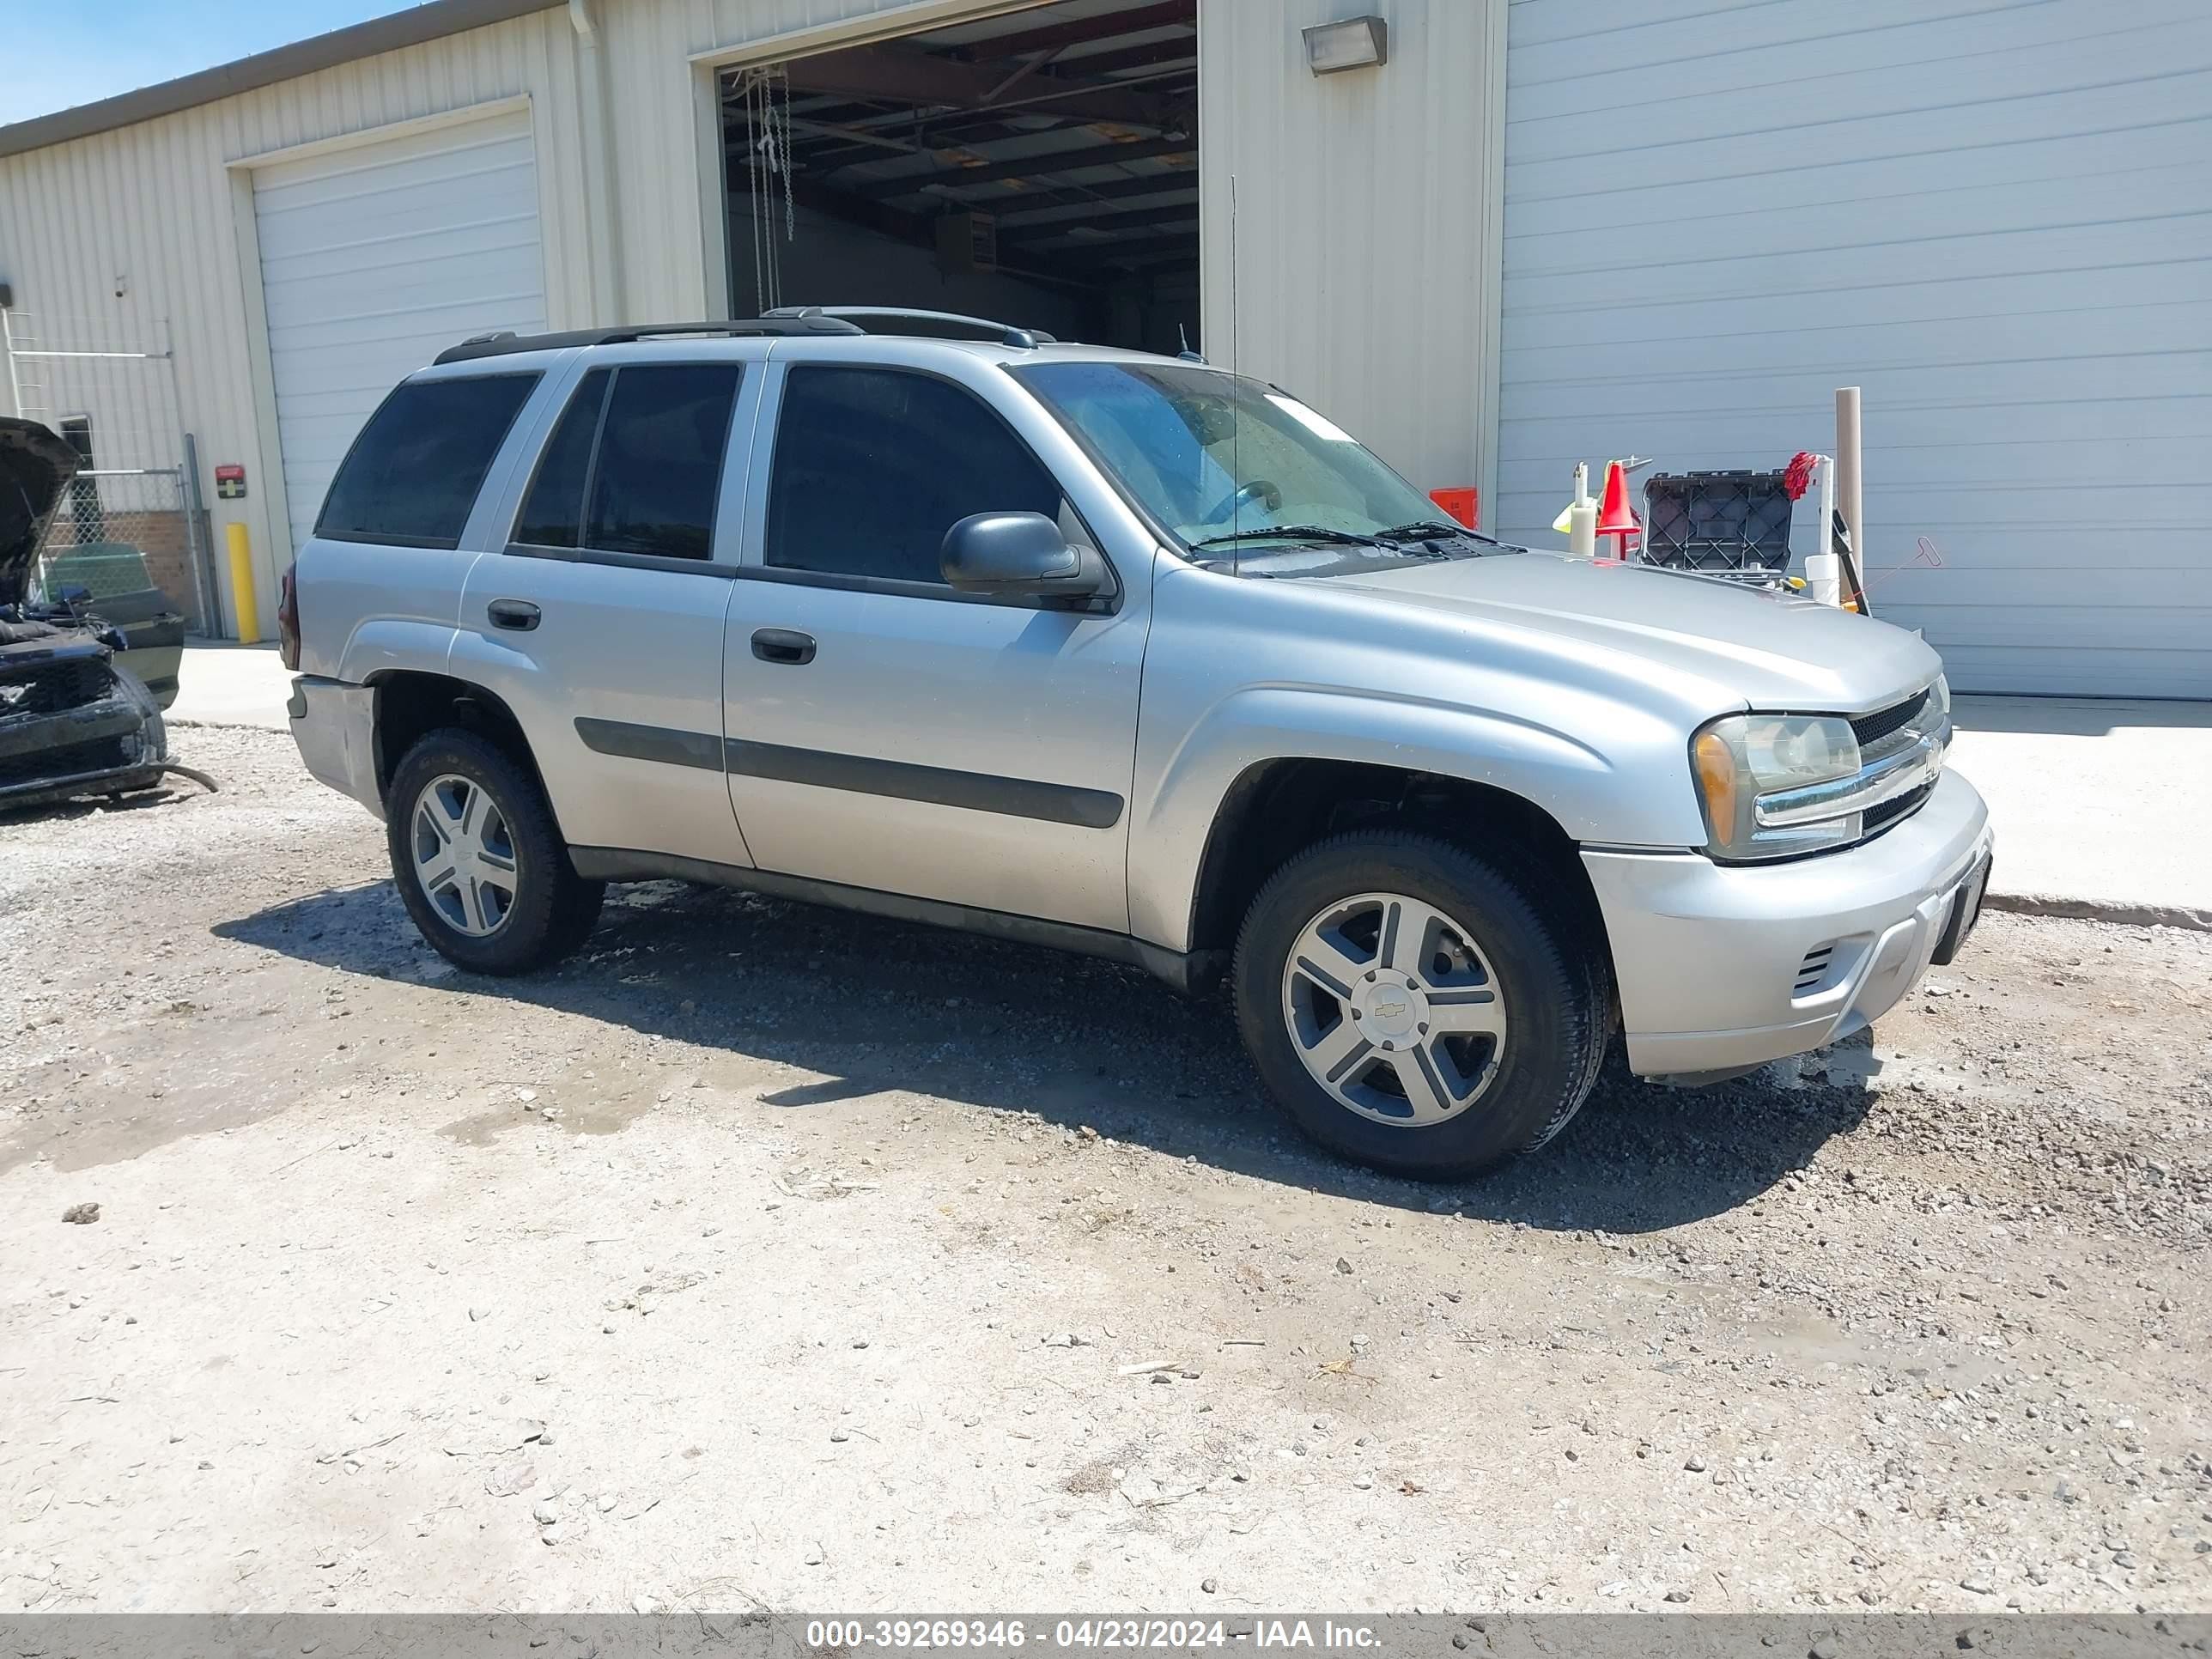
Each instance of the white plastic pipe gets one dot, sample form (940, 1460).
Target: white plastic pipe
(1581, 517)
(1823, 570)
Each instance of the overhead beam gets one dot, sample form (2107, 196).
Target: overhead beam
(1154, 259)
(1157, 54)
(1030, 167)
(916, 77)
(1118, 218)
(1176, 49)
(1188, 231)
(1046, 196)
(1053, 37)
(982, 131)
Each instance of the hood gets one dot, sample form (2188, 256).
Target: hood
(1768, 650)
(35, 467)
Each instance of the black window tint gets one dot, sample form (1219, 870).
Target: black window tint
(413, 474)
(555, 505)
(659, 468)
(872, 466)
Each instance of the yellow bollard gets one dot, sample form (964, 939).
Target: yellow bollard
(242, 587)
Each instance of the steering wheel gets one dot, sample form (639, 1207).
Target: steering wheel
(1258, 493)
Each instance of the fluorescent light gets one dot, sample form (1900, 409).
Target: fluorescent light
(1355, 43)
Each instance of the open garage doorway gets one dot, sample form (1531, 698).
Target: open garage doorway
(1040, 168)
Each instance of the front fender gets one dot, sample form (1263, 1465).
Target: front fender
(1635, 791)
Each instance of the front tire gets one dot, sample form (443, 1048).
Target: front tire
(479, 863)
(1412, 1007)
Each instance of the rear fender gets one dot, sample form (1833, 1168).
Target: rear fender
(386, 644)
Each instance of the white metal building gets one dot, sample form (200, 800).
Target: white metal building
(1538, 231)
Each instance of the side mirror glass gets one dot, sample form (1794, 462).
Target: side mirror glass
(1019, 556)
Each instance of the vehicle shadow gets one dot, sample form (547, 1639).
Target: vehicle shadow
(872, 1005)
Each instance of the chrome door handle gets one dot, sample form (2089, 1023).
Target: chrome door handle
(783, 644)
(519, 614)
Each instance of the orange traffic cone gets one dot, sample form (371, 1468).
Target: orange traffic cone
(1616, 518)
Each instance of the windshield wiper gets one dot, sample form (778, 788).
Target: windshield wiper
(1421, 530)
(1291, 532)
(1434, 529)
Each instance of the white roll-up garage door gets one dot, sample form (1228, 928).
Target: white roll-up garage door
(376, 258)
(1995, 217)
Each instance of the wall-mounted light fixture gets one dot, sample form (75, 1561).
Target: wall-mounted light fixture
(1354, 43)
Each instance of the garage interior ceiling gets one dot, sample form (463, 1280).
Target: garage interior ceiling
(1074, 127)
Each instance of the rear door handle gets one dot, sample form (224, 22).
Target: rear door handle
(784, 644)
(519, 614)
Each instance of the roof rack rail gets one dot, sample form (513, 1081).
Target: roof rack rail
(503, 342)
(936, 324)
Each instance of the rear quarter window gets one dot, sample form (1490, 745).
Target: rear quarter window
(413, 474)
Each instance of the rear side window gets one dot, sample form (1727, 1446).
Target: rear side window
(553, 514)
(414, 472)
(872, 466)
(634, 465)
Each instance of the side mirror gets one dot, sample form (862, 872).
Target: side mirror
(1019, 556)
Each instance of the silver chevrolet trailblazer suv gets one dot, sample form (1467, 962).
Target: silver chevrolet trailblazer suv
(943, 620)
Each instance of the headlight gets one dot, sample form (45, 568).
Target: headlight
(1744, 757)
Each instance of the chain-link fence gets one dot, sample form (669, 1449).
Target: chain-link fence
(130, 520)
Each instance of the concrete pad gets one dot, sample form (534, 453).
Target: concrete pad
(2099, 804)
(225, 684)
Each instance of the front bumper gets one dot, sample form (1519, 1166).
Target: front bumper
(1722, 968)
(334, 724)
(110, 744)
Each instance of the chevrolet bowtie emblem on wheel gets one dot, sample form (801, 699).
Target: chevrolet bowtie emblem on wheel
(1390, 1010)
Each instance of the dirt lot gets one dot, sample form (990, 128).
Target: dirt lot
(768, 1257)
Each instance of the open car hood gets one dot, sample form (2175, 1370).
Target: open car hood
(35, 467)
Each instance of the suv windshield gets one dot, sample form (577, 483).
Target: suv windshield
(1230, 463)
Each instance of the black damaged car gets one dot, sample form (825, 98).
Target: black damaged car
(72, 721)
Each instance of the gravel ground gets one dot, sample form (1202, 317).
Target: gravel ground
(768, 1257)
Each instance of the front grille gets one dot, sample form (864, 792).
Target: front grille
(1881, 817)
(1871, 729)
(71, 760)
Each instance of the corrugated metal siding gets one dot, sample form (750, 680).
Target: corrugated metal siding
(1995, 217)
(1366, 243)
(153, 202)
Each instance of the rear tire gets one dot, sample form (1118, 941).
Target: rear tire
(478, 860)
(1413, 1008)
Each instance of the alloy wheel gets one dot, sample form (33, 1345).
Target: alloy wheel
(1393, 1010)
(465, 856)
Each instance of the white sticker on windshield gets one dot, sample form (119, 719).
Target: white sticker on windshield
(1320, 425)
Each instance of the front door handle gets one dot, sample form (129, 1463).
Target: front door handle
(518, 614)
(784, 644)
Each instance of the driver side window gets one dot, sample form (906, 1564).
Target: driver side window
(871, 466)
